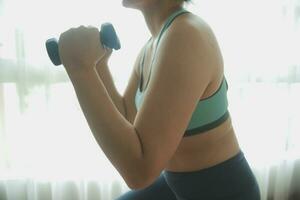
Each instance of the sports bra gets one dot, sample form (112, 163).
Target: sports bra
(209, 112)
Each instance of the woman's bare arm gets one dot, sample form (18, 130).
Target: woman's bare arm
(107, 79)
(125, 103)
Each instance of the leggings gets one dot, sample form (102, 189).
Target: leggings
(232, 179)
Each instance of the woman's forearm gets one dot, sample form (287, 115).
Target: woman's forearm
(116, 136)
(107, 79)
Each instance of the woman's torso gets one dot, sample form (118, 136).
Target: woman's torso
(207, 148)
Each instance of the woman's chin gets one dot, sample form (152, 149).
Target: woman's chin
(129, 3)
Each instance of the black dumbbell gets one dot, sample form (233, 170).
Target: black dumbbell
(108, 37)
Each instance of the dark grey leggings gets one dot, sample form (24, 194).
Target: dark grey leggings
(230, 180)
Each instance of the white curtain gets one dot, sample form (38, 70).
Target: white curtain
(47, 151)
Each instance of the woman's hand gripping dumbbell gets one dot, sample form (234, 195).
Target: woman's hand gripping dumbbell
(82, 46)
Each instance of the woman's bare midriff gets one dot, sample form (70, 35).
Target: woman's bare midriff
(205, 150)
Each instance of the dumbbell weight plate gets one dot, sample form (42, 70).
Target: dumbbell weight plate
(52, 50)
(109, 37)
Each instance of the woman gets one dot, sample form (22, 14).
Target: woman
(170, 135)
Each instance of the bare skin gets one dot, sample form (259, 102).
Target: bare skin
(211, 147)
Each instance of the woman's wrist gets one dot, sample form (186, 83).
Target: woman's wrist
(81, 72)
(104, 61)
(101, 66)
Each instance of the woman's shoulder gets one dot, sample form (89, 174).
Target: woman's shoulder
(191, 19)
(195, 40)
(196, 28)
(192, 22)
(192, 27)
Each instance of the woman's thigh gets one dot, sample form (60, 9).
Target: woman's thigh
(158, 190)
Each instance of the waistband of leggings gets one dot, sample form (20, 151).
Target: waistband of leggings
(231, 161)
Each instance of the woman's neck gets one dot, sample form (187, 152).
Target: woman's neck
(157, 15)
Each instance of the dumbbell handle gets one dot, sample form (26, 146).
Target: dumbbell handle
(108, 38)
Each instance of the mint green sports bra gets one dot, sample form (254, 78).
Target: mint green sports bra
(210, 112)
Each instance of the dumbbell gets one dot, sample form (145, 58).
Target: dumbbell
(108, 38)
